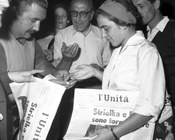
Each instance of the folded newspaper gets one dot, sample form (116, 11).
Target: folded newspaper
(37, 104)
(96, 109)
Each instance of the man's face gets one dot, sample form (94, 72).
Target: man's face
(29, 22)
(81, 14)
(146, 9)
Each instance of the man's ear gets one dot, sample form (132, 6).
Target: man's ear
(157, 4)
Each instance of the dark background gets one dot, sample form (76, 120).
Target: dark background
(167, 5)
(167, 8)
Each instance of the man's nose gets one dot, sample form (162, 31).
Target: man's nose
(78, 18)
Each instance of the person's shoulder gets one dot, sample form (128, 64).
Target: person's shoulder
(148, 47)
(169, 31)
(170, 25)
(66, 30)
(172, 22)
(141, 43)
(96, 30)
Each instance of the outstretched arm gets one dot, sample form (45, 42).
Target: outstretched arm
(87, 71)
(69, 53)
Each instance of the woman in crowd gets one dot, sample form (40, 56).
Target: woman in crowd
(61, 20)
(135, 65)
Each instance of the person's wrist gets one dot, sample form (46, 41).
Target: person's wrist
(115, 136)
(67, 58)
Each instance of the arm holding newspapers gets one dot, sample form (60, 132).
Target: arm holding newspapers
(19, 77)
(134, 122)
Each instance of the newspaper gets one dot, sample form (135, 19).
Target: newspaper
(96, 109)
(37, 104)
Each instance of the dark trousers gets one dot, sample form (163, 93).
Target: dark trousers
(62, 118)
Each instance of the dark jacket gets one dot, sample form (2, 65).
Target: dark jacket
(165, 42)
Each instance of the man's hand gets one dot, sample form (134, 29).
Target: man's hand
(70, 51)
(48, 54)
(63, 78)
(83, 72)
(62, 75)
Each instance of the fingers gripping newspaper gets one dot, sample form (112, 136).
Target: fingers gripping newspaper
(97, 109)
(37, 104)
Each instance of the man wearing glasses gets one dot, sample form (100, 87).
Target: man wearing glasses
(94, 47)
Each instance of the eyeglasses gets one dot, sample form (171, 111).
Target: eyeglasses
(82, 14)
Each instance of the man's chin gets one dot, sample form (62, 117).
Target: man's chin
(80, 29)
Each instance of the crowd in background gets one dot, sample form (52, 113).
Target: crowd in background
(168, 9)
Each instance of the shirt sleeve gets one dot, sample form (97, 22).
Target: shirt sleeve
(4, 78)
(152, 85)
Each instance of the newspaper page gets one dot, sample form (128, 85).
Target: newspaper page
(95, 109)
(37, 104)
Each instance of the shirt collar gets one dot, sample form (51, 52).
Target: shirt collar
(87, 31)
(136, 39)
(21, 40)
(161, 25)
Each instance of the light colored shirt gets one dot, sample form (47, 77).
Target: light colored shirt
(159, 27)
(18, 56)
(94, 46)
(15, 56)
(138, 67)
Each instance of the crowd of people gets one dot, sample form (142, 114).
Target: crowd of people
(115, 53)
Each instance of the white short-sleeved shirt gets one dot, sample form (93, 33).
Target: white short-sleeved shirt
(94, 46)
(138, 67)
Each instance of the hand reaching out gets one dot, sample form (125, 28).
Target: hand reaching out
(23, 76)
(86, 71)
(48, 54)
(62, 75)
(63, 78)
(70, 51)
(83, 72)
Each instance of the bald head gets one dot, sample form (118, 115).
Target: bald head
(88, 3)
